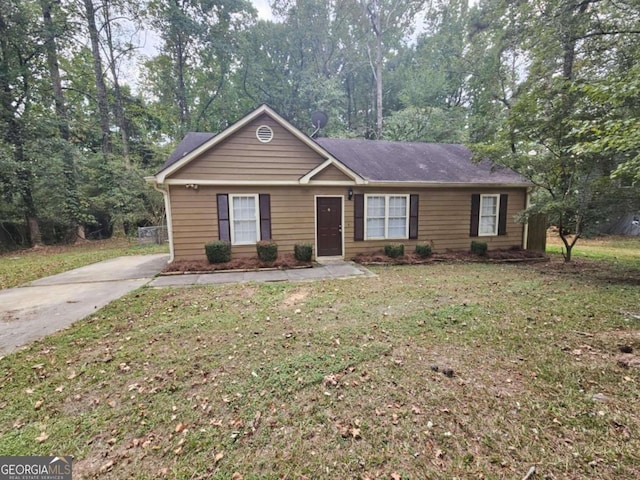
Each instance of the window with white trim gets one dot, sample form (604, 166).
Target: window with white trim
(489, 208)
(386, 217)
(244, 219)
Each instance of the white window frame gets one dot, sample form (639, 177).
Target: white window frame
(386, 236)
(232, 221)
(497, 215)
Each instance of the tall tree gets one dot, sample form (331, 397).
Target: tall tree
(72, 208)
(111, 14)
(431, 79)
(389, 22)
(538, 137)
(98, 71)
(198, 41)
(20, 66)
(298, 64)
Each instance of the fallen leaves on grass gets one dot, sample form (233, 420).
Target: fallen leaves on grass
(348, 430)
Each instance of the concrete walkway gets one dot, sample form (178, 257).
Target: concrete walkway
(44, 306)
(319, 272)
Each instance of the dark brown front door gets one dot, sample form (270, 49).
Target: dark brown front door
(329, 226)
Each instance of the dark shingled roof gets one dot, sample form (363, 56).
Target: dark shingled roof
(189, 143)
(382, 161)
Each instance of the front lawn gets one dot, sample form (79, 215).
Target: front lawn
(439, 371)
(21, 266)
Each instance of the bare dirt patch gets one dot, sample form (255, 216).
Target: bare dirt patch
(296, 297)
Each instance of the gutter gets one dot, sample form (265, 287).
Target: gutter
(525, 230)
(167, 208)
(414, 184)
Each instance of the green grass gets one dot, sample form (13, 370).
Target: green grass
(23, 266)
(621, 250)
(334, 379)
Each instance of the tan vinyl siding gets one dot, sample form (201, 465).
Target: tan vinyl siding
(292, 218)
(444, 218)
(243, 157)
(194, 221)
(331, 173)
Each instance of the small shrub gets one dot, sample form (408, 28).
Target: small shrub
(267, 250)
(218, 251)
(423, 250)
(394, 250)
(303, 252)
(479, 248)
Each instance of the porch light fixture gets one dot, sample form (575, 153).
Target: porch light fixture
(350, 193)
(191, 185)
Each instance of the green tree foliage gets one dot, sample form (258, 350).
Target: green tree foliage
(296, 65)
(190, 74)
(21, 67)
(562, 42)
(548, 88)
(431, 79)
(613, 128)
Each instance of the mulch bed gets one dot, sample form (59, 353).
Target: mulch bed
(283, 262)
(288, 261)
(508, 255)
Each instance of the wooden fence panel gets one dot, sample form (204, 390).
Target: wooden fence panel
(537, 233)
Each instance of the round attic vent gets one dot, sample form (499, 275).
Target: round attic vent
(264, 133)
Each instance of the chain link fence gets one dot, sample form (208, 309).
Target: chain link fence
(149, 235)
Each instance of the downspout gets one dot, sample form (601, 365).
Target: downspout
(167, 207)
(525, 230)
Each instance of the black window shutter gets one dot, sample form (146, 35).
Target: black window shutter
(475, 214)
(413, 216)
(224, 227)
(502, 215)
(358, 217)
(265, 216)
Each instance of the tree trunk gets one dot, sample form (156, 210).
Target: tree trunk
(11, 111)
(373, 12)
(72, 200)
(347, 83)
(378, 79)
(34, 231)
(181, 91)
(101, 89)
(119, 105)
(568, 245)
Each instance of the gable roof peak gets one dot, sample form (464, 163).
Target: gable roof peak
(196, 143)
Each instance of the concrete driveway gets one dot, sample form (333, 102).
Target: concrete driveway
(49, 304)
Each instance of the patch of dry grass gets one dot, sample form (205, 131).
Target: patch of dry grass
(342, 379)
